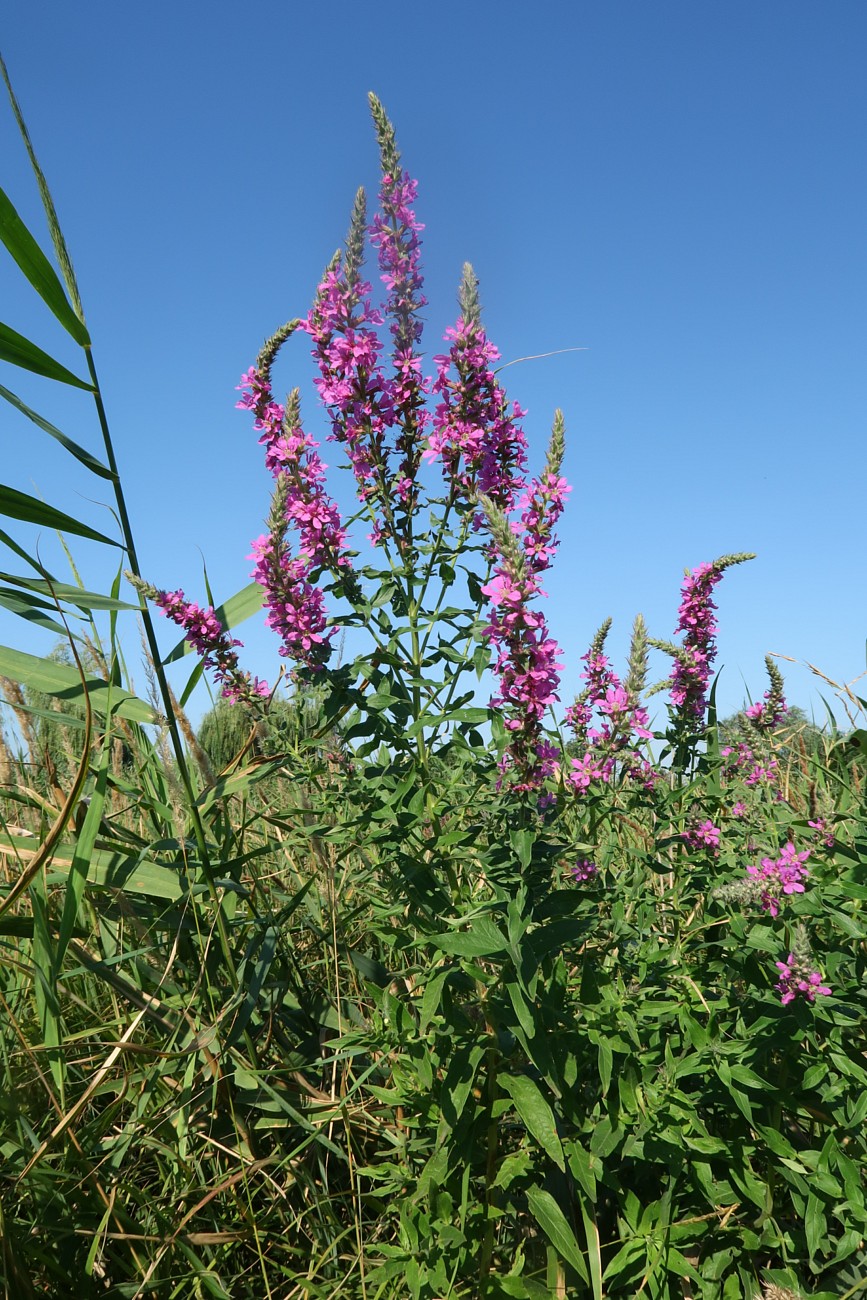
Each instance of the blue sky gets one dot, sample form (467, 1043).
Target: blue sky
(678, 188)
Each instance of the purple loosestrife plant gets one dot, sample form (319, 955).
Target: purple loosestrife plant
(526, 656)
(694, 658)
(476, 431)
(394, 233)
(764, 716)
(212, 643)
(621, 721)
(798, 976)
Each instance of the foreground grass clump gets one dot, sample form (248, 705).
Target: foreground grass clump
(372, 991)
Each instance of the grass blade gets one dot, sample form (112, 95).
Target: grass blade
(60, 249)
(18, 505)
(38, 269)
(90, 462)
(19, 351)
(64, 682)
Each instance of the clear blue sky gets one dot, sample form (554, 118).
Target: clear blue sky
(678, 188)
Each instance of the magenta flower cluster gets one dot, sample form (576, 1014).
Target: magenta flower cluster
(798, 979)
(704, 836)
(765, 714)
(622, 721)
(526, 656)
(692, 668)
(295, 606)
(584, 871)
(347, 349)
(394, 232)
(211, 641)
(291, 452)
(476, 431)
(741, 761)
(783, 876)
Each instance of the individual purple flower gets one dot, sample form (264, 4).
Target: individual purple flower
(820, 826)
(585, 771)
(584, 871)
(739, 809)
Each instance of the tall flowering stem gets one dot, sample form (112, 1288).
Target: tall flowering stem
(527, 657)
(394, 232)
(212, 643)
(476, 432)
(695, 657)
(342, 324)
(764, 715)
(620, 719)
(295, 605)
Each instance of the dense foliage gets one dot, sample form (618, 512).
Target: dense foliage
(380, 990)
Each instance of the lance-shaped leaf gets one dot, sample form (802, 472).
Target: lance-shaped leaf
(554, 1224)
(64, 682)
(536, 1114)
(18, 505)
(68, 594)
(38, 269)
(18, 350)
(90, 462)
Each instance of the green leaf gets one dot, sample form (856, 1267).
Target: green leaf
(552, 1221)
(18, 505)
(64, 682)
(536, 1113)
(239, 607)
(107, 869)
(38, 269)
(239, 782)
(482, 940)
(815, 1224)
(86, 600)
(19, 351)
(30, 608)
(90, 462)
(83, 855)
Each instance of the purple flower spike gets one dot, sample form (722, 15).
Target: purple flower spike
(211, 641)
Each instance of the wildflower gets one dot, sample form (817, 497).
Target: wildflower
(206, 634)
(295, 608)
(476, 432)
(527, 657)
(784, 876)
(583, 871)
(798, 979)
(820, 826)
(739, 809)
(693, 661)
(765, 714)
(705, 835)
